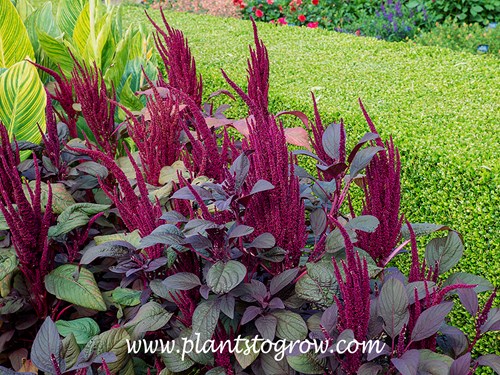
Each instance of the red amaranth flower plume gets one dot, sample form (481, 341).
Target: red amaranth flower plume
(179, 63)
(354, 309)
(97, 110)
(382, 188)
(50, 138)
(279, 211)
(137, 212)
(157, 134)
(27, 223)
(63, 93)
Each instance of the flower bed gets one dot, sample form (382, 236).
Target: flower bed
(194, 232)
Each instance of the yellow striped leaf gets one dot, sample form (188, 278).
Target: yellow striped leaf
(15, 44)
(67, 14)
(22, 102)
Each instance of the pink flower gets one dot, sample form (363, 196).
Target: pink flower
(259, 13)
(270, 2)
(313, 25)
(302, 18)
(282, 21)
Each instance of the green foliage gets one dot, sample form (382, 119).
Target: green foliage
(462, 36)
(481, 11)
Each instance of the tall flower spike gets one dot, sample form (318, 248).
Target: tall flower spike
(137, 212)
(179, 64)
(97, 110)
(156, 137)
(382, 199)
(27, 223)
(63, 93)
(50, 138)
(354, 309)
(279, 211)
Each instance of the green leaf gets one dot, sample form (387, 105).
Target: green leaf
(483, 285)
(70, 350)
(61, 198)
(307, 363)
(290, 325)
(75, 216)
(67, 14)
(421, 229)
(126, 297)
(365, 223)
(8, 262)
(22, 101)
(57, 51)
(174, 360)
(445, 251)
(82, 329)
(318, 284)
(224, 276)
(24, 9)
(150, 317)
(205, 319)
(79, 288)
(245, 355)
(393, 306)
(15, 44)
(114, 341)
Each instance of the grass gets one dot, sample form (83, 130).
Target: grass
(441, 107)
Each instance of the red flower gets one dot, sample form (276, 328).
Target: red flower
(270, 2)
(313, 25)
(315, 2)
(259, 13)
(299, 2)
(302, 18)
(280, 8)
(358, 32)
(282, 21)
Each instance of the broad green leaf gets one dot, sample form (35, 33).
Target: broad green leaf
(70, 350)
(247, 352)
(365, 223)
(126, 297)
(24, 9)
(318, 284)
(114, 341)
(79, 288)
(67, 14)
(8, 262)
(150, 317)
(22, 101)
(61, 198)
(75, 216)
(205, 319)
(42, 20)
(57, 51)
(224, 276)
(133, 238)
(15, 44)
(421, 229)
(290, 325)
(82, 329)
(174, 360)
(307, 363)
(483, 284)
(445, 251)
